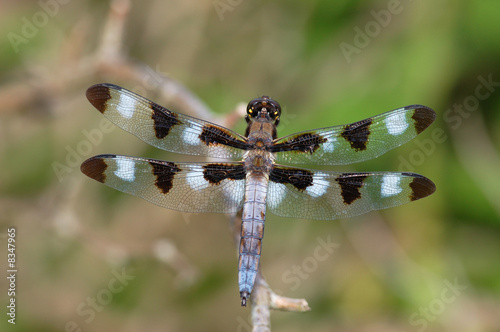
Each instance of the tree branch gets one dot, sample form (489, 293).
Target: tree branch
(263, 299)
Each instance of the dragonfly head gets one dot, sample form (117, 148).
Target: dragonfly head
(264, 107)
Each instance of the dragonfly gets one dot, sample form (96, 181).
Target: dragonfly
(252, 176)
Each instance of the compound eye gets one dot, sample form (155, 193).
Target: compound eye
(251, 107)
(277, 110)
(250, 111)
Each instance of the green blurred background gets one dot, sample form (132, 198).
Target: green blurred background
(327, 63)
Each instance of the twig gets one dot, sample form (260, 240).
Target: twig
(263, 299)
(107, 60)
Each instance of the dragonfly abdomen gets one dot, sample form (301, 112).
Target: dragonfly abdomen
(252, 232)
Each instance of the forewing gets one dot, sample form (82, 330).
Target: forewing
(163, 128)
(187, 187)
(362, 140)
(324, 195)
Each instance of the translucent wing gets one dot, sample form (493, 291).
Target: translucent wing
(188, 187)
(163, 128)
(324, 195)
(362, 140)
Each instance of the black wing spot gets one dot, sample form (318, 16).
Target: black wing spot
(212, 135)
(164, 173)
(215, 173)
(98, 95)
(423, 117)
(306, 142)
(357, 134)
(163, 120)
(95, 167)
(420, 186)
(350, 183)
(297, 177)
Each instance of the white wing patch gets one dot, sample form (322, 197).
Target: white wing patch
(396, 123)
(319, 186)
(191, 135)
(194, 179)
(126, 106)
(329, 145)
(235, 192)
(125, 169)
(278, 194)
(390, 185)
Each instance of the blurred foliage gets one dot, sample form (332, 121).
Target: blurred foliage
(72, 233)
